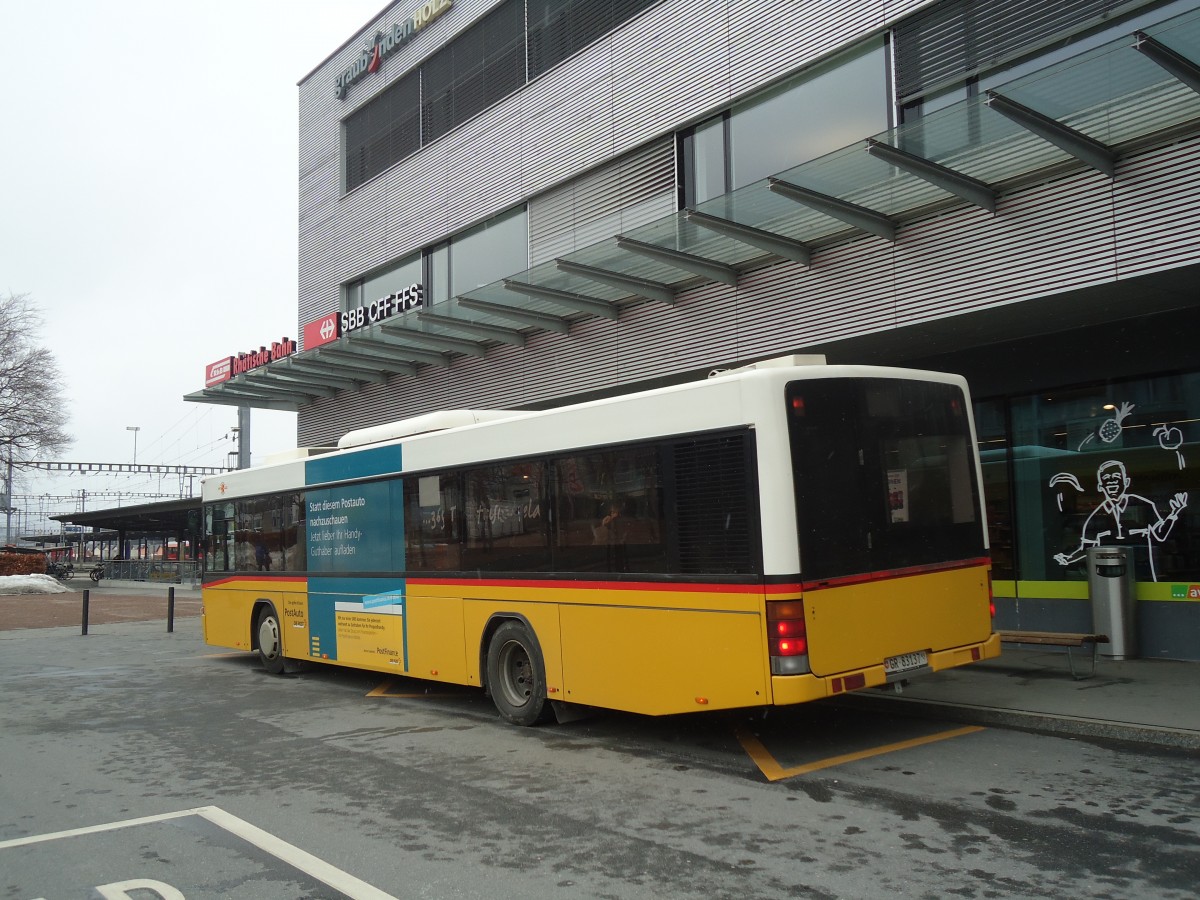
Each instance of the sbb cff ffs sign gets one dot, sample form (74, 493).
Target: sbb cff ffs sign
(331, 327)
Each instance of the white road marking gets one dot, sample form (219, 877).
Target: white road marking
(251, 834)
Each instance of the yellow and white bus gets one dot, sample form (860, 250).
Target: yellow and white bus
(767, 536)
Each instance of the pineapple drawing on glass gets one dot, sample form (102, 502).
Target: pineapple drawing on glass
(1110, 429)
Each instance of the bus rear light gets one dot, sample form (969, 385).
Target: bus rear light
(787, 636)
(789, 647)
(788, 628)
(784, 609)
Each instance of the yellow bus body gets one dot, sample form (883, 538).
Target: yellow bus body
(646, 648)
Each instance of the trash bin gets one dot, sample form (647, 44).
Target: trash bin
(1114, 602)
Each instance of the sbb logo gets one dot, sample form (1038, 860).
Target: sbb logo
(321, 331)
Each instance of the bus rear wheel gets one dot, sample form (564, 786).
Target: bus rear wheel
(517, 676)
(270, 641)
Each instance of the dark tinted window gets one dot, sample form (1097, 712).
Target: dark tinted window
(482, 65)
(884, 474)
(384, 131)
(506, 528)
(433, 517)
(560, 28)
(713, 504)
(610, 512)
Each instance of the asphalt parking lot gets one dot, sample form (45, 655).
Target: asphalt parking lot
(143, 764)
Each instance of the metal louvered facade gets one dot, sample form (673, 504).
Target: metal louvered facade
(954, 40)
(589, 147)
(1038, 232)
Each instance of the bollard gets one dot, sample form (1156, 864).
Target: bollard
(86, 599)
(170, 609)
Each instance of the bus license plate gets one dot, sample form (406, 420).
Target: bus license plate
(905, 662)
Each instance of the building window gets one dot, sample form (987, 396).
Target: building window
(482, 65)
(393, 279)
(384, 131)
(706, 160)
(483, 254)
(561, 28)
(488, 252)
(961, 49)
(814, 114)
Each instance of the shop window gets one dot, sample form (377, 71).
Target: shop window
(992, 435)
(1115, 464)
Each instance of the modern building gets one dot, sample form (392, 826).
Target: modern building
(521, 203)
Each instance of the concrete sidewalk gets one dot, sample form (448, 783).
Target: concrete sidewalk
(1144, 700)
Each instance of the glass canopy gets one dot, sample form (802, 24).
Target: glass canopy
(1084, 112)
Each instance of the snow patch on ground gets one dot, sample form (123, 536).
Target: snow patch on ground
(32, 584)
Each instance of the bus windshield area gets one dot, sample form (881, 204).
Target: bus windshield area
(884, 475)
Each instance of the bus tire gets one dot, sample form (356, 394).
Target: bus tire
(270, 640)
(517, 675)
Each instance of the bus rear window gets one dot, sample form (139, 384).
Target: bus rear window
(884, 475)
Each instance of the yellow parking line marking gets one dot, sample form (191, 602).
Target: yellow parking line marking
(775, 772)
(384, 690)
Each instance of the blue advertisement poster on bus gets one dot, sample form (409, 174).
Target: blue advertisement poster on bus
(356, 611)
(356, 528)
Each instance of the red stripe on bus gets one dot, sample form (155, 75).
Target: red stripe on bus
(295, 579)
(689, 587)
(888, 574)
(694, 588)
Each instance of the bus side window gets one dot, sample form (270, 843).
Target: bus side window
(506, 521)
(433, 523)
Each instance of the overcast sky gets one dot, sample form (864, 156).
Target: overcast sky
(148, 208)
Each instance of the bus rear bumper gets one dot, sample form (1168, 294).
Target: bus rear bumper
(790, 689)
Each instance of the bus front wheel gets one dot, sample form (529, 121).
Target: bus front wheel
(270, 642)
(517, 676)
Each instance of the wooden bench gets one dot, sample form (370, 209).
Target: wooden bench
(1058, 639)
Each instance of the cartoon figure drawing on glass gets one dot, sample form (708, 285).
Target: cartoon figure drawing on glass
(1123, 517)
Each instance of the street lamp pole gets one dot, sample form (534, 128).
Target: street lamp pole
(135, 429)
